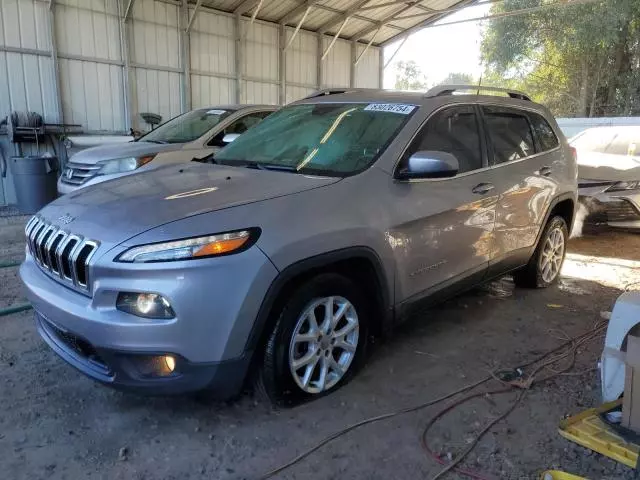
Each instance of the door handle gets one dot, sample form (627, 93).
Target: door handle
(483, 188)
(545, 171)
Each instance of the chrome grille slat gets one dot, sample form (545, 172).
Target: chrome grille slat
(58, 252)
(83, 166)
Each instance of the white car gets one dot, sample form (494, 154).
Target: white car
(609, 174)
(625, 321)
(197, 133)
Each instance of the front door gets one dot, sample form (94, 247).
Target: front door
(444, 228)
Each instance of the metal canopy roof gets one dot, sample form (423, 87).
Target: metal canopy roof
(368, 21)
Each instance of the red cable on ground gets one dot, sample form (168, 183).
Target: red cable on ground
(440, 414)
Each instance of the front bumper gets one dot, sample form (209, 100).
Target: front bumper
(123, 370)
(216, 302)
(616, 209)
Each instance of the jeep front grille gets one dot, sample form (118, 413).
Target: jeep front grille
(60, 253)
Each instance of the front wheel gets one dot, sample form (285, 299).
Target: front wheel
(544, 266)
(317, 343)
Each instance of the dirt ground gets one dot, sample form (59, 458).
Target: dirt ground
(57, 424)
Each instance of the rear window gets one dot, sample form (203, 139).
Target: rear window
(510, 134)
(547, 139)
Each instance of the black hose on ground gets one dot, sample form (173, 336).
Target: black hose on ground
(20, 307)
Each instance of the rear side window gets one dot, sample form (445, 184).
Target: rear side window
(510, 134)
(453, 130)
(547, 139)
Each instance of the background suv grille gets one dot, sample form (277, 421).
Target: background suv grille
(79, 173)
(621, 210)
(62, 254)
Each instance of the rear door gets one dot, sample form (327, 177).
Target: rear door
(443, 228)
(523, 153)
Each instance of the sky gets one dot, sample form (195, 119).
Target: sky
(442, 50)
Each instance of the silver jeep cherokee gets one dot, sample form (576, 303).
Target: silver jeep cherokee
(327, 223)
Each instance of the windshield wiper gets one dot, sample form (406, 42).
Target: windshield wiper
(207, 159)
(270, 166)
(161, 142)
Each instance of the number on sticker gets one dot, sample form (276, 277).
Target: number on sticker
(390, 107)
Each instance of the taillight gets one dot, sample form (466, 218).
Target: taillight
(574, 153)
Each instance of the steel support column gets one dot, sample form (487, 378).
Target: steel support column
(282, 66)
(54, 60)
(319, 61)
(380, 67)
(126, 58)
(239, 57)
(185, 54)
(353, 64)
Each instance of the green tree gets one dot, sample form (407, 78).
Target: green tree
(579, 60)
(458, 78)
(410, 77)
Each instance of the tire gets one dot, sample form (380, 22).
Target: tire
(534, 275)
(277, 379)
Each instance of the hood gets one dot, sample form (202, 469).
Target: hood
(122, 150)
(114, 211)
(608, 167)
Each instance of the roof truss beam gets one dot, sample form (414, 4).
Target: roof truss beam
(302, 7)
(193, 15)
(385, 21)
(245, 6)
(343, 16)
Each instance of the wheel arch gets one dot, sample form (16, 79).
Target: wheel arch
(564, 205)
(360, 264)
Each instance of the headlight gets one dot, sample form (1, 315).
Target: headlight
(191, 248)
(145, 305)
(622, 186)
(121, 165)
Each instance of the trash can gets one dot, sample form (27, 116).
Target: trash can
(34, 179)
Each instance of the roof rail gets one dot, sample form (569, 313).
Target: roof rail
(449, 89)
(330, 91)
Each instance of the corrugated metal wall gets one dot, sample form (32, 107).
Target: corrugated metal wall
(92, 63)
(155, 56)
(336, 71)
(213, 67)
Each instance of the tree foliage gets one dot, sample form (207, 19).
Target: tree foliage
(579, 60)
(458, 78)
(410, 77)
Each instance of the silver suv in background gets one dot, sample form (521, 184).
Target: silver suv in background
(330, 221)
(197, 133)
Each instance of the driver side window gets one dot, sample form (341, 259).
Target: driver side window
(245, 123)
(240, 126)
(452, 130)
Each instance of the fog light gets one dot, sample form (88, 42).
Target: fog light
(170, 362)
(146, 305)
(154, 366)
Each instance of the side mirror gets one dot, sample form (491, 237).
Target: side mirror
(430, 164)
(229, 137)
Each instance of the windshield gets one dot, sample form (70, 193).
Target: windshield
(325, 139)
(186, 127)
(625, 141)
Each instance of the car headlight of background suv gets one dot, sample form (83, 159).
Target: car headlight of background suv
(122, 165)
(623, 186)
(192, 248)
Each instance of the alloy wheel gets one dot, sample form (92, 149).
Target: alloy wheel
(552, 255)
(323, 343)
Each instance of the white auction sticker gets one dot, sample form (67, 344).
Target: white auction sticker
(390, 107)
(216, 112)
